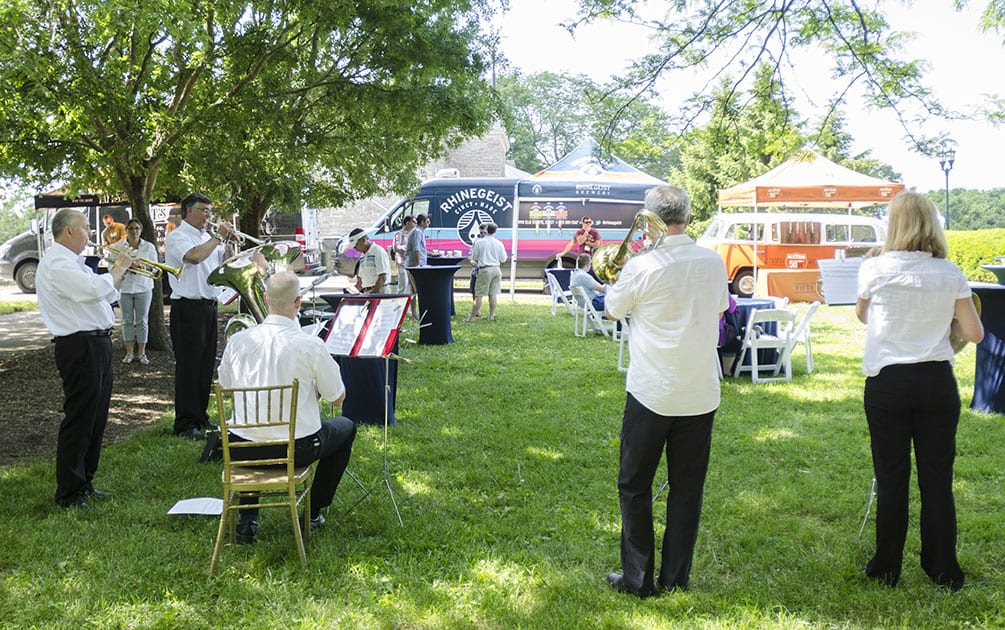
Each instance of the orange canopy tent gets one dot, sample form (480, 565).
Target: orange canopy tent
(808, 179)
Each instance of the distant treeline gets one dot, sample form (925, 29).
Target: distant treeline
(972, 209)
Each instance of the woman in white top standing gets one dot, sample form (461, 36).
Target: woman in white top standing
(912, 299)
(134, 300)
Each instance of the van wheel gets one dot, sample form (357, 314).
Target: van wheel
(25, 277)
(743, 283)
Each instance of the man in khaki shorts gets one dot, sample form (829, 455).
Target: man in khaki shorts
(487, 255)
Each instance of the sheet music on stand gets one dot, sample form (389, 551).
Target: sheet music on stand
(840, 280)
(366, 326)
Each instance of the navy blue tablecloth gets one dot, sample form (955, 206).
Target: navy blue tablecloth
(365, 379)
(443, 261)
(989, 369)
(435, 288)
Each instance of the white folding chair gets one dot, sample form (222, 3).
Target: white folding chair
(592, 320)
(767, 329)
(623, 350)
(559, 295)
(801, 334)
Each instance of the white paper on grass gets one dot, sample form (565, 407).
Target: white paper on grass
(840, 279)
(207, 506)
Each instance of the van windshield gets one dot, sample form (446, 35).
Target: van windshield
(744, 232)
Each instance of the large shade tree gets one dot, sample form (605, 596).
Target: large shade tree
(549, 114)
(109, 95)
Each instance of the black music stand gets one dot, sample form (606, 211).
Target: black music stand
(367, 326)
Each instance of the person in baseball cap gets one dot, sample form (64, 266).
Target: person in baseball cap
(374, 266)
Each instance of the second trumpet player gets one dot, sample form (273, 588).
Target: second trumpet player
(193, 311)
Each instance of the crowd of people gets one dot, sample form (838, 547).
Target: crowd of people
(676, 296)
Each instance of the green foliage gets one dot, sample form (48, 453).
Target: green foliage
(504, 466)
(258, 102)
(707, 40)
(15, 210)
(972, 209)
(550, 114)
(970, 250)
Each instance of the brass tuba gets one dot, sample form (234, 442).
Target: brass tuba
(609, 259)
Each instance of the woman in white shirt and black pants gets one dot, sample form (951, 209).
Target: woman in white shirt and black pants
(912, 299)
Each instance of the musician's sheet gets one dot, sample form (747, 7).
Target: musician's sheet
(840, 280)
(366, 327)
(346, 326)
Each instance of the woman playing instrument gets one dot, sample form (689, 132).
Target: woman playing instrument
(912, 299)
(136, 292)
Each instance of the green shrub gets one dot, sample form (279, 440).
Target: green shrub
(972, 249)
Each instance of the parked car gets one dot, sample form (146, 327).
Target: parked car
(19, 260)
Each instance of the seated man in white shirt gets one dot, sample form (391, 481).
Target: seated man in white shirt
(581, 278)
(274, 353)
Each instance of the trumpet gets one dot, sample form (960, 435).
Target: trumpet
(236, 236)
(144, 267)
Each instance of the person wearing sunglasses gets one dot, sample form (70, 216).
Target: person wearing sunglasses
(585, 240)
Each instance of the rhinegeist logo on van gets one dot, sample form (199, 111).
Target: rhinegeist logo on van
(476, 198)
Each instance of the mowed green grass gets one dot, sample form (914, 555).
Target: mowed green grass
(503, 465)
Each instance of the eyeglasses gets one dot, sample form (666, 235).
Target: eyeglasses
(135, 227)
(587, 222)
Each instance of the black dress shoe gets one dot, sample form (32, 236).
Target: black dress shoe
(75, 502)
(191, 434)
(617, 582)
(95, 494)
(245, 532)
(888, 578)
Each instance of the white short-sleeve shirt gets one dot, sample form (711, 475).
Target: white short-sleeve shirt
(912, 298)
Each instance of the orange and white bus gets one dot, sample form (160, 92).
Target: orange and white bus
(785, 241)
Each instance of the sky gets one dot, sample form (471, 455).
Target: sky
(964, 67)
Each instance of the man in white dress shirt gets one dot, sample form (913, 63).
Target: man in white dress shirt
(75, 305)
(193, 312)
(676, 294)
(276, 352)
(487, 255)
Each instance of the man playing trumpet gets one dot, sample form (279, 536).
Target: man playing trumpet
(193, 311)
(75, 305)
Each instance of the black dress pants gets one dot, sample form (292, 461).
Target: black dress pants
(85, 366)
(916, 403)
(687, 441)
(331, 447)
(194, 337)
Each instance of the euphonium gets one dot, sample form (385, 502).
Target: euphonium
(609, 259)
(958, 343)
(144, 267)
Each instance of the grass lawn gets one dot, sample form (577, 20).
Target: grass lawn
(503, 464)
(16, 306)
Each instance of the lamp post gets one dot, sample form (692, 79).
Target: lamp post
(946, 159)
